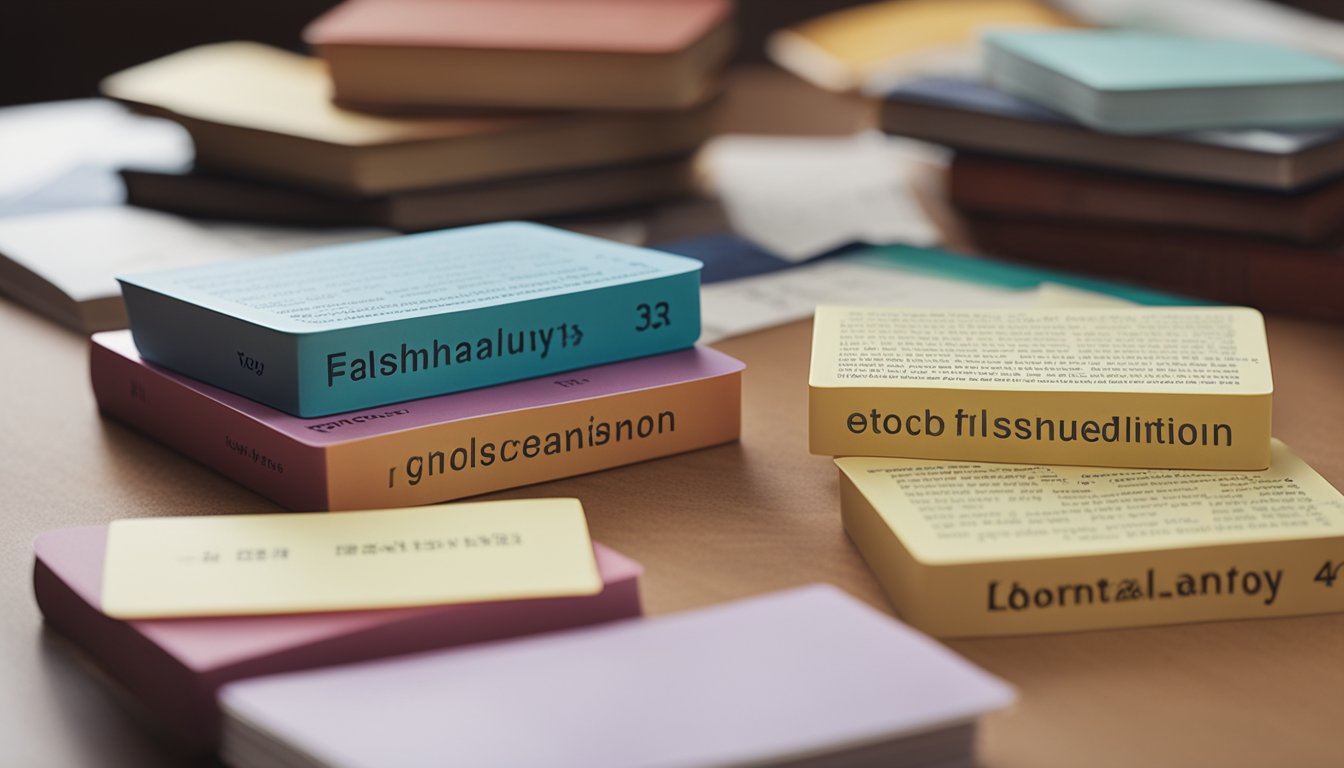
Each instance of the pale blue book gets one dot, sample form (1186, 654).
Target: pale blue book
(356, 326)
(1140, 82)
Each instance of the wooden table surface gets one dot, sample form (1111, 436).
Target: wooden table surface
(709, 526)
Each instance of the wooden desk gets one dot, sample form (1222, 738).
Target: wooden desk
(709, 526)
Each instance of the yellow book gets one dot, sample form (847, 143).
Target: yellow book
(967, 549)
(1168, 387)
(842, 51)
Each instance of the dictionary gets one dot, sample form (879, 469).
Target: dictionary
(433, 449)
(1163, 387)
(266, 113)
(966, 549)
(172, 668)
(1137, 82)
(803, 677)
(342, 328)
(531, 54)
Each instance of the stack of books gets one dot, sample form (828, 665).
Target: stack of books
(1206, 167)
(338, 378)
(171, 664)
(420, 116)
(1012, 471)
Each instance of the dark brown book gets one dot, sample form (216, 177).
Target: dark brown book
(1275, 276)
(208, 195)
(998, 185)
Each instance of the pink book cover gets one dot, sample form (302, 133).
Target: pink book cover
(285, 458)
(594, 26)
(174, 667)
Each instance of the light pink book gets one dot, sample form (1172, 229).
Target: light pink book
(807, 676)
(175, 667)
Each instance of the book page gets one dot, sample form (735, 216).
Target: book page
(1205, 350)
(946, 512)
(81, 251)
(735, 307)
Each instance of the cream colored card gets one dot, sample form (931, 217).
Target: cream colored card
(300, 563)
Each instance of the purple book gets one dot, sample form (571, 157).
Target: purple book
(174, 667)
(804, 677)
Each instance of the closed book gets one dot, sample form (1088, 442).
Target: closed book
(172, 668)
(1170, 387)
(534, 54)
(1006, 186)
(853, 48)
(435, 449)
(587, 190)
(1136, 82)
(966, 549)
(1289, 278)
(970, 115)
(262, 112)
(804, 677)
(342, 328)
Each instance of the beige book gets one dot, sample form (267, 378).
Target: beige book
(996, 549)
(263, 112)
(1162, 387)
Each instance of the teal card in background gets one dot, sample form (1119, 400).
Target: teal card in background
(1141, 82)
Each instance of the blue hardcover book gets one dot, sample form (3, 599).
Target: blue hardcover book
(360, 325)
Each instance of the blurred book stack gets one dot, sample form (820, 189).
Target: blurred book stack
(1212, 168)
(419, 116)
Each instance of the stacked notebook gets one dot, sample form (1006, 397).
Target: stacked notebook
(422, 368)
(1211, 168)
(172, 668)
(420, 116)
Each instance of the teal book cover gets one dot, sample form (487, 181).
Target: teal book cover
(1142, 82)
(360, 325)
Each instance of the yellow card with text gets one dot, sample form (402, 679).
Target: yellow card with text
(338, 561)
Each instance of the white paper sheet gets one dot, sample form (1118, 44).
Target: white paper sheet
(81, 251)
(41, 143)
(799, 197)
(737, 307)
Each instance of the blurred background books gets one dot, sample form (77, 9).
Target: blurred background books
(652, 121)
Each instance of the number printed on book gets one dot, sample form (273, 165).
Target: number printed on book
(1328, 573)
(652, 316)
